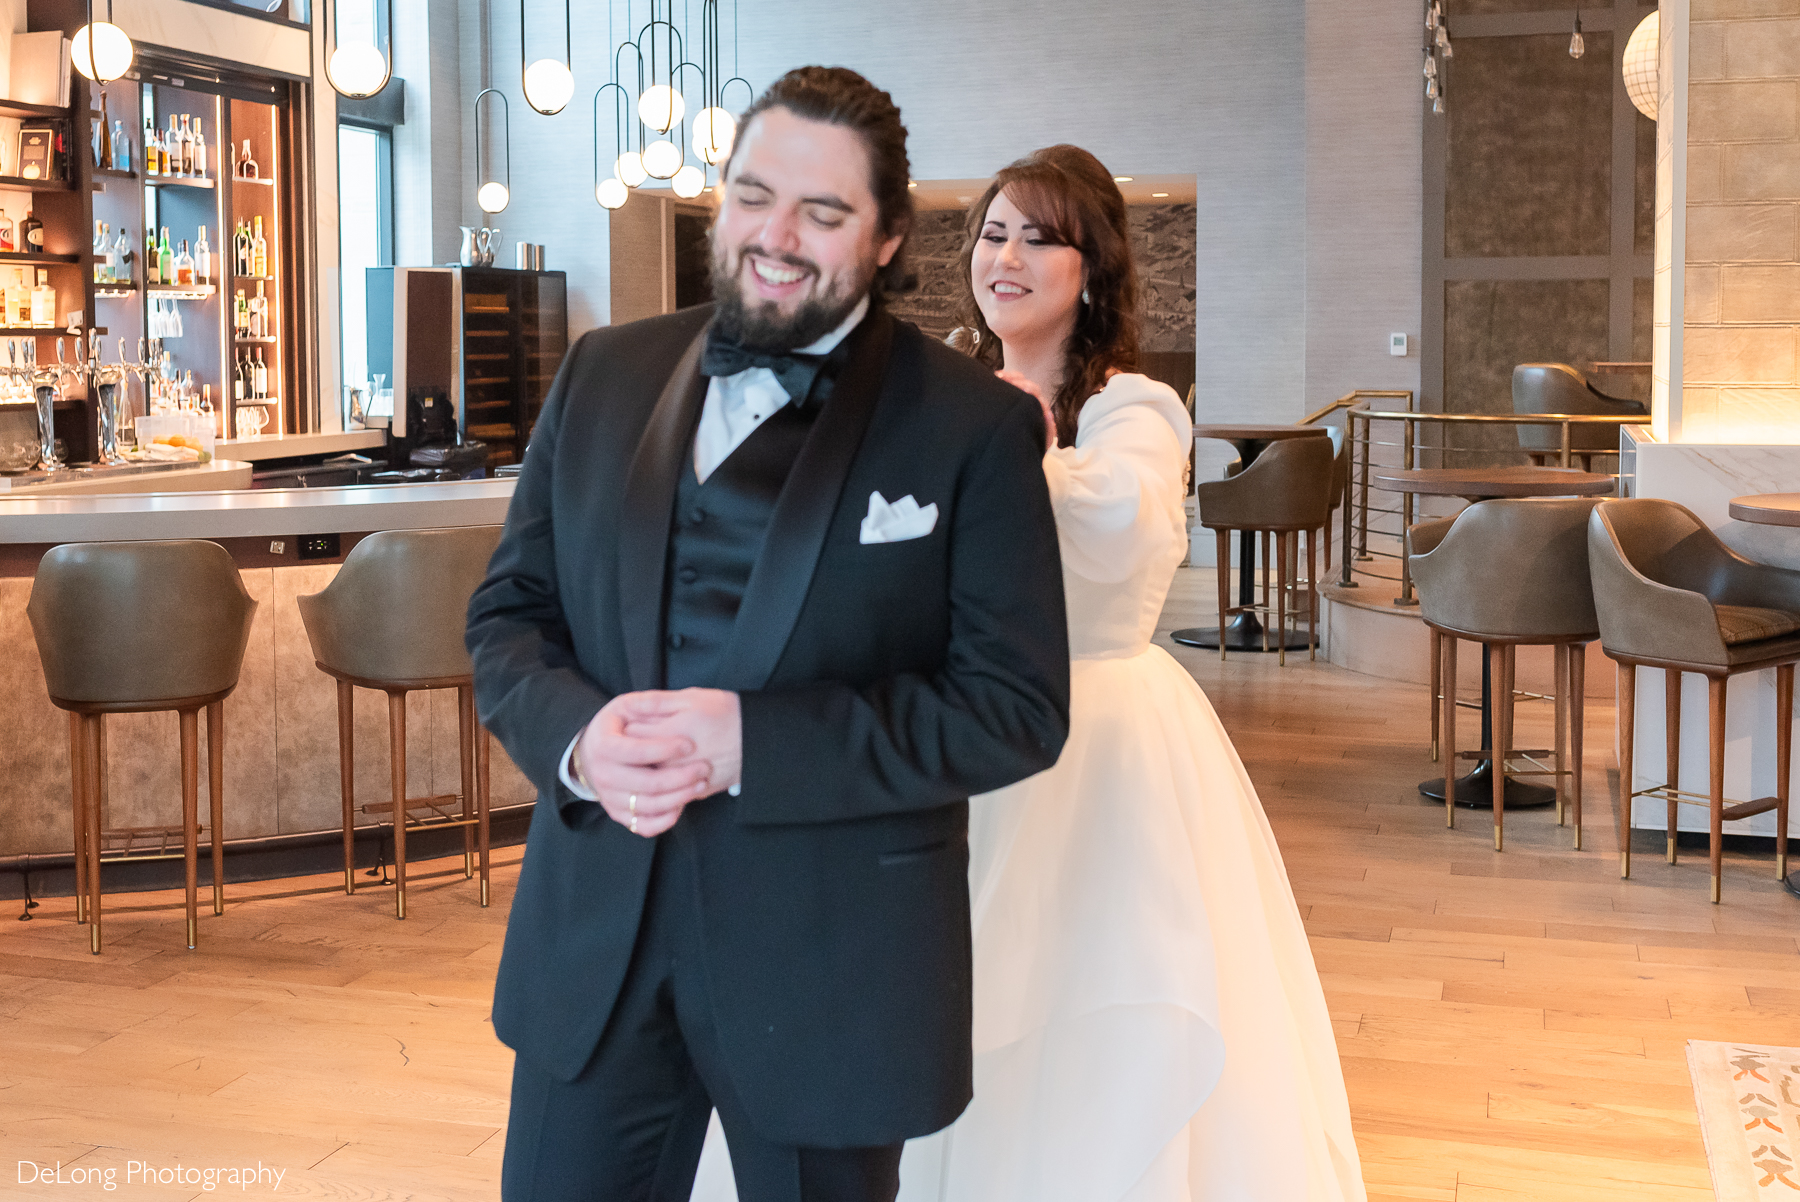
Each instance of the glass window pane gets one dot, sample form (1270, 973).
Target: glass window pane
(360, 205)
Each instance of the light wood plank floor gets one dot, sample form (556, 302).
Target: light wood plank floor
(1512, 1025)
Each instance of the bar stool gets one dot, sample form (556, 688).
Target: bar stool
(1672, 596)
(393, 619)
(1286, 492)
(134, 628)
(1508, 574)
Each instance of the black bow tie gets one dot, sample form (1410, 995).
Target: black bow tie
(794, 371)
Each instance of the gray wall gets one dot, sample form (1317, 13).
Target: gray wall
(1299, 119)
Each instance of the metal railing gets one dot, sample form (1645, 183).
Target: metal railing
(1429, 435)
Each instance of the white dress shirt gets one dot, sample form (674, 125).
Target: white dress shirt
(735, 407)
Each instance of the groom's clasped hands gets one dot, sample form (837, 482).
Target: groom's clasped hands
(647, 755)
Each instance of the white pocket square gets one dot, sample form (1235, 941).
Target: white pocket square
(897, 522)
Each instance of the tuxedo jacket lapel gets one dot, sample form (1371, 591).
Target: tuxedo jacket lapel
(648, 508)
(784, 570)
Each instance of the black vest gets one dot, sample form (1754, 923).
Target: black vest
(714, 539)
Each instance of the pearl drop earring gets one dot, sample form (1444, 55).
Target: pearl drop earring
(1085, 298)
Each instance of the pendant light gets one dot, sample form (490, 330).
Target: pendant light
(101, 50)
(613, 191)
(358, 69)
(493, 194)
(548, 83)
(688, 181)
(1577, 43)
(1641, 67)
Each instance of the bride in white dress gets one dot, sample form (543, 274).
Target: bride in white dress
(1149, 1025)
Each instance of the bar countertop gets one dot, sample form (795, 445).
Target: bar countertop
(255, 513)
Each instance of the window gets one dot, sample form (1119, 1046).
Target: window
(365, 233)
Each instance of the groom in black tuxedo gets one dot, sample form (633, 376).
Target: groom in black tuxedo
(779, 591)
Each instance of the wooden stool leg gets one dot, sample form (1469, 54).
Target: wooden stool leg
(1784, 749)
(1264, 564)
(1503, 724)
(1447, 648)
(1312, 595)
(1672, 740)
(190, 817)
(1627, 691)
(1437, 691)
(397, 754)
(481, 783)
(90, 771)
(1559, 656)
(465, 763)
(1577, 656)
(1281, 601)
(346, 716)
(78, 808)
(1715, 771)
(1224, 537)
(215, 793)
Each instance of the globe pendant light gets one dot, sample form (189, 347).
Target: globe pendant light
(662, 159)
(714, 131)
(611, 193)
(661, 107)
(548, 83)
(628, 170)
(358, 69)
(493, 194)
(1641, 67)
(101, 50)
(688, 181)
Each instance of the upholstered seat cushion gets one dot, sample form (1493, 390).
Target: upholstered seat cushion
(1749, 623)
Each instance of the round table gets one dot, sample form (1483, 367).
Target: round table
(1768, 509)
(1476, 790)
(1245, 632)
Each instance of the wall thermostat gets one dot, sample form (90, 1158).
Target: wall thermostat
(1397, 344)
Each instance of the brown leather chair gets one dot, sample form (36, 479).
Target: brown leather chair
(393, 619)
(1672, 596)
(1559, 388)
(1286, 492)
(134, 628)
(1508, 574)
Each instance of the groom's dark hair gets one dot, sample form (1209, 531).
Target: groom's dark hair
(839, 96)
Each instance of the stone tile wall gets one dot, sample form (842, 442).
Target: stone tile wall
(1741, 275)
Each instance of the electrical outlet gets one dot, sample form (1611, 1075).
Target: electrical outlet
(1397, 345)
(318, 546)
(277, 548)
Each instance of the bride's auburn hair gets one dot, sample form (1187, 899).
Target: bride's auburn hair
(1072, 199)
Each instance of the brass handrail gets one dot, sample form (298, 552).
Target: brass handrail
(1358, 523)
(1350, 398)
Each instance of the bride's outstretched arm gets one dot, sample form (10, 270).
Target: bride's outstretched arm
(1117, 491)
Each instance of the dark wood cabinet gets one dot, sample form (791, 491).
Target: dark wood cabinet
(515, 330)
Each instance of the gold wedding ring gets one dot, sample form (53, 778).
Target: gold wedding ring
(633, 804)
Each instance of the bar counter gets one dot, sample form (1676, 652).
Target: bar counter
(281, 760)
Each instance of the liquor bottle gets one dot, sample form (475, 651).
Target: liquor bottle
(240, 248)
(102, 254)
(237, 375)
(262, 376)
(246, 164)
(240, 315)
(152, 260)
(6, 232)
(43, 301)
(152, 158)
(202, 259)
(184, 266)
(18, 301)
(259, 313)
(165, 259)
(259, 251)
(207, 414)
(31, 235)
(121, 148)
(122, 255)
(187, 146)
(199, 150)
(97, 132)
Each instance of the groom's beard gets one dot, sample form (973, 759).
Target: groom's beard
(760, 324)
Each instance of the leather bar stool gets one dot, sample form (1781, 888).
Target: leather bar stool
(1286, 492)
(1507, 574)
(392, 619)
(1672, 596)
(134, 628)
(1559, 388)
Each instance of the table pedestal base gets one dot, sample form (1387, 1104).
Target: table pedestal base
(1242, 633)
(1476, 791)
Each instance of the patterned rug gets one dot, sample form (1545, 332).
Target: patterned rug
(1749, 1100)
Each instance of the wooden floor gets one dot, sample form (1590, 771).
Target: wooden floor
(1512, 1025)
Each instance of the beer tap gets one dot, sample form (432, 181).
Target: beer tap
(103, 381)
(46, 383)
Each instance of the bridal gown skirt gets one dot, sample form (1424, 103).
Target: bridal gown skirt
(1149, 1026)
